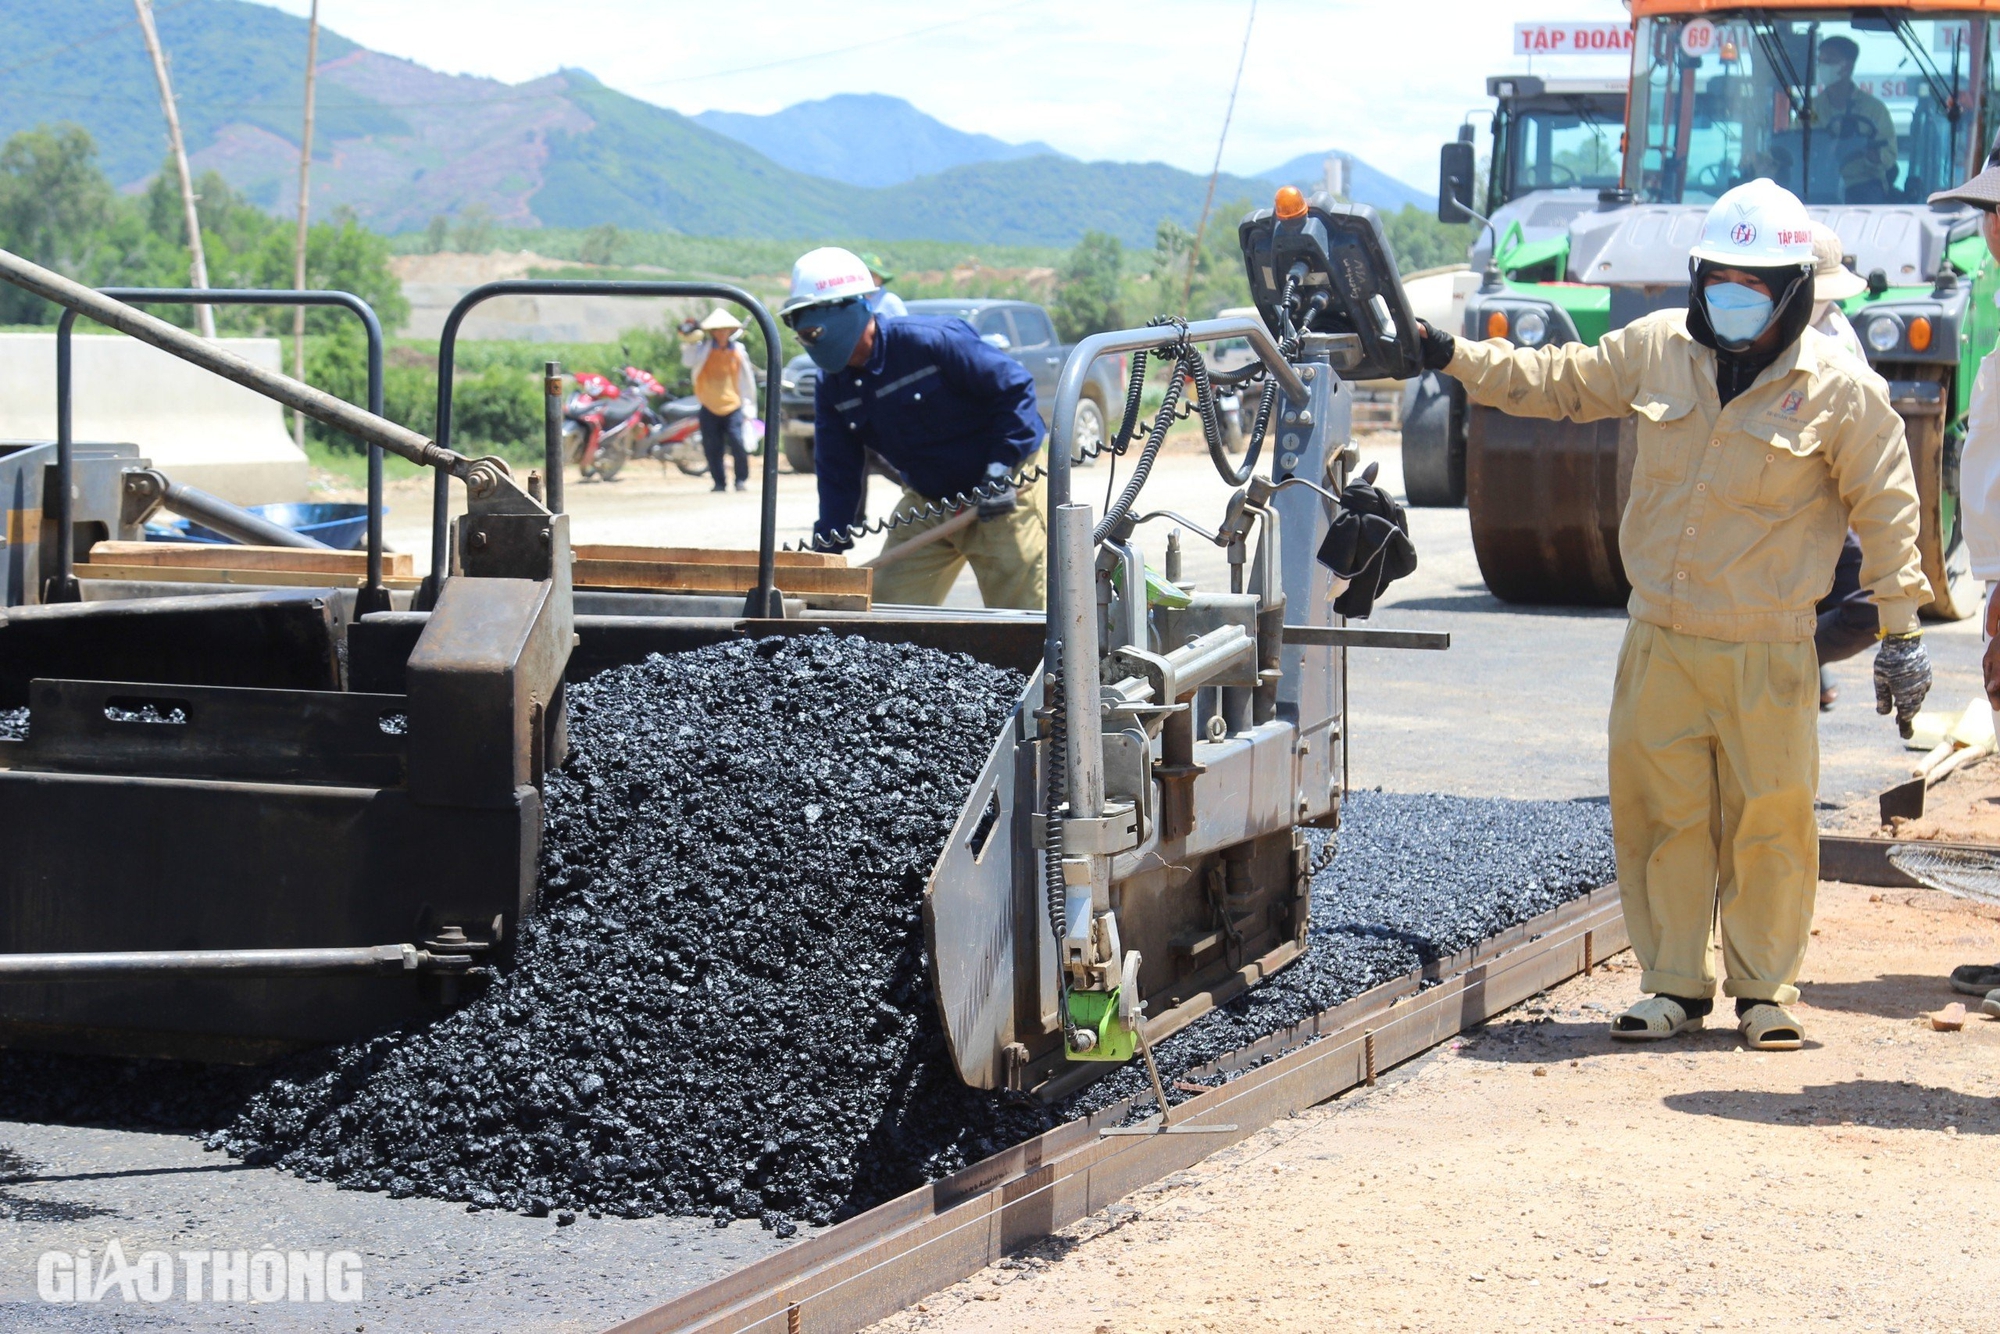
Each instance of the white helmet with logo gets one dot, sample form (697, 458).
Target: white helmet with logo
(1757, 225)
(827, 274)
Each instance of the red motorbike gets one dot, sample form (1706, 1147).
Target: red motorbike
(600, 422)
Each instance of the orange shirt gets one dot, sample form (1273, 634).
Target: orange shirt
(716, 380)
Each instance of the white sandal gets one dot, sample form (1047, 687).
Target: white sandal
(1768, 1026)
(1652, 1018)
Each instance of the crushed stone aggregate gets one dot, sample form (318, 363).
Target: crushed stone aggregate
(721, 1007)
(721, 1001)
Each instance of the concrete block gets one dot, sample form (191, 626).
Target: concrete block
(195, 427)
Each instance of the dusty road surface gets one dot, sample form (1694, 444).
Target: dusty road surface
(1535, 1176)
(1516, 708)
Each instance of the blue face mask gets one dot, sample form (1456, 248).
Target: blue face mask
(831, 333)
(1737, 313)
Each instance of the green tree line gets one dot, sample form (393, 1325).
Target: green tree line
(59, 209)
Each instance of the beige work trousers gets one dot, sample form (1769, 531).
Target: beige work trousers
(1714, 764)
(1009, 556)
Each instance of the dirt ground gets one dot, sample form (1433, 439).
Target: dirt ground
(1535, 1176)
(1962, 807)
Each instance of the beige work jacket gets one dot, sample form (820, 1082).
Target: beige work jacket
(1737, 513)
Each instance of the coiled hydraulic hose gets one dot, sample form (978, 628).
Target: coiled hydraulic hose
(1053, 797)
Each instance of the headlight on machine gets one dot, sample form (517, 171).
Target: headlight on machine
(1885, 333)
(1531, 327)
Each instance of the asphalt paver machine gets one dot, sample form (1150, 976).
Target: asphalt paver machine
(1721, 94)
(238, 825)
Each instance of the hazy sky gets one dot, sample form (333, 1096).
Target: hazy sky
(1137, 80)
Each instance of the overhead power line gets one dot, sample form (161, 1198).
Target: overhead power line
(1208, 200)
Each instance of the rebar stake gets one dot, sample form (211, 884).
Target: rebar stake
(794, 1322)
(1368, 1053)
(1589, 952)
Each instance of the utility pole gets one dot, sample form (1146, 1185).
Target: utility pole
(204, 315)
(299, 251)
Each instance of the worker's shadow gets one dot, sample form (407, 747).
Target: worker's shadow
(1476, 600)
(1891, 996)
(1882, 1104)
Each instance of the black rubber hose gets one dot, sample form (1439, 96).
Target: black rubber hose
(1162, 422)
(1053, 797)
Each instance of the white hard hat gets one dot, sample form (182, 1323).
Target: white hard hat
(1757, 225)
(1832, 279)
(827, 274)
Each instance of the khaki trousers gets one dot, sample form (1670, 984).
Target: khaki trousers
(1009, 556)
(1714, 764)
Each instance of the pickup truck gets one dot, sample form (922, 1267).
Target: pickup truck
(1021, 329)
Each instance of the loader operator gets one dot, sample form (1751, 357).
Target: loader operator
(949, 412)
(1860, 123)
(1759, 446)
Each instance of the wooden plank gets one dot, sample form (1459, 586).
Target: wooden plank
(191, 574)
(228, 556)
(710, 578)
(823, 560)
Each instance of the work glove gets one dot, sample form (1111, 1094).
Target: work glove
(1439, 346)
(1368, 544)
(1902, 678)
(1001, 498)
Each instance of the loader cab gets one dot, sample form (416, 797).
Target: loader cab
(1555, 148)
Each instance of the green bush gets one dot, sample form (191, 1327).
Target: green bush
(499, 409)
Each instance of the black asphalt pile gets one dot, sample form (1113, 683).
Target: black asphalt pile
(1415, 879)
(14, 724)
(722, 1004)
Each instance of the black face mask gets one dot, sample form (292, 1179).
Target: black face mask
(1791, 300)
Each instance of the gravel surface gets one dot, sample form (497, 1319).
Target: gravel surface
(1416, 878)
(721, 1008)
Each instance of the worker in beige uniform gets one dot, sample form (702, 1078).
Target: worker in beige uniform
(1758, 448)
(1979, 506)
(1847, 620)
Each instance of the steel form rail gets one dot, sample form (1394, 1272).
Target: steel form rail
(373, 596)
(764, 599)
(871, 1266)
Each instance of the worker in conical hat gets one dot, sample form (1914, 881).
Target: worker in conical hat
(728, 392)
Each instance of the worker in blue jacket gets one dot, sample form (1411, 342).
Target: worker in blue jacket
(950, 413)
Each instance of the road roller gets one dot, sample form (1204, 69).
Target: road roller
(1719, 96)
(1554, 146)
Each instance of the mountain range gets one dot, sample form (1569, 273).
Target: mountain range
(866, 139)
(399, 143)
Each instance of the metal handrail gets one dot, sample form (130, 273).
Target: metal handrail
(1070, 646)
(763, 600)
(1069, 389)
(373, 596)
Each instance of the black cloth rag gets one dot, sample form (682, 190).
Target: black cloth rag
(1368, 545)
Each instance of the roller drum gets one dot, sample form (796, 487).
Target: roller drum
(1544, 499)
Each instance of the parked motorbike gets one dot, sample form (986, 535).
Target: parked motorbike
(601, 421)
